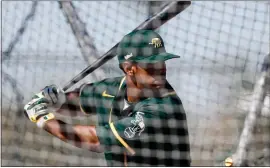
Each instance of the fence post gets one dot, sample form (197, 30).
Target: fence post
(260, 90)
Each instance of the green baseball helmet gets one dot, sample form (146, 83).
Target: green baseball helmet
(144, 46)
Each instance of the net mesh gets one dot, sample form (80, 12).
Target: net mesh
(222, 47)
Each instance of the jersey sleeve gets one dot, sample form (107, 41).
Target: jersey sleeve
(87, 98)
(94, 97)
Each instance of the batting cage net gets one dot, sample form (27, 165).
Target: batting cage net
(221, 77)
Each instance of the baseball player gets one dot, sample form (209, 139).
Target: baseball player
(141, 120)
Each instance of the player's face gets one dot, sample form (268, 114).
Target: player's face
(152, 76)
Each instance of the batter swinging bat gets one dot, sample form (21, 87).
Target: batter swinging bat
(166, 13)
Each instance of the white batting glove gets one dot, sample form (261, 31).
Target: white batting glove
(37, 110)
(37, 107)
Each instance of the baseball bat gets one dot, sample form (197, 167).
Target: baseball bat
(167, 12)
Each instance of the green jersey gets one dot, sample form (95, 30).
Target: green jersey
(151, 132)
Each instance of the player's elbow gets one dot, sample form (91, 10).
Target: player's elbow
(88, 138)
(96, 148)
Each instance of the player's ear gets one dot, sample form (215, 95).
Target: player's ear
(129, 68)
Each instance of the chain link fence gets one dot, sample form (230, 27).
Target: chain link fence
(222, 47)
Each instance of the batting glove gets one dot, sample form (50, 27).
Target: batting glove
(37, 107)
(55, 96)
(37, 110)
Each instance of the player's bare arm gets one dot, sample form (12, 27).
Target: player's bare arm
(78, 135)
(38, 112)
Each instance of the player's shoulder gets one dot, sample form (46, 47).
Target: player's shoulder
(169, 99)
(167, 96)
(115, 81)
(168, 103)
(108, 86)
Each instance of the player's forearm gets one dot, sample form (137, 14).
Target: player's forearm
(78, 135)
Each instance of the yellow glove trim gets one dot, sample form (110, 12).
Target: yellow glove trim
(33, 118)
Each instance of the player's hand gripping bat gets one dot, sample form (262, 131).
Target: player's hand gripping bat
(168, 11)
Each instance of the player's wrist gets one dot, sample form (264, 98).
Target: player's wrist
(44, 119)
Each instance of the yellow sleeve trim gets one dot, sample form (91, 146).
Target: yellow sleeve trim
(169, 94)
(121, 83)
(80, 104)
(121, 140)
(115, 133)
(82, 110)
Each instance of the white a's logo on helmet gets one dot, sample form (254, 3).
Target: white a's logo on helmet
(128, 56)
(156, 42)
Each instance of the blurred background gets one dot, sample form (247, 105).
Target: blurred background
(222, 47)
